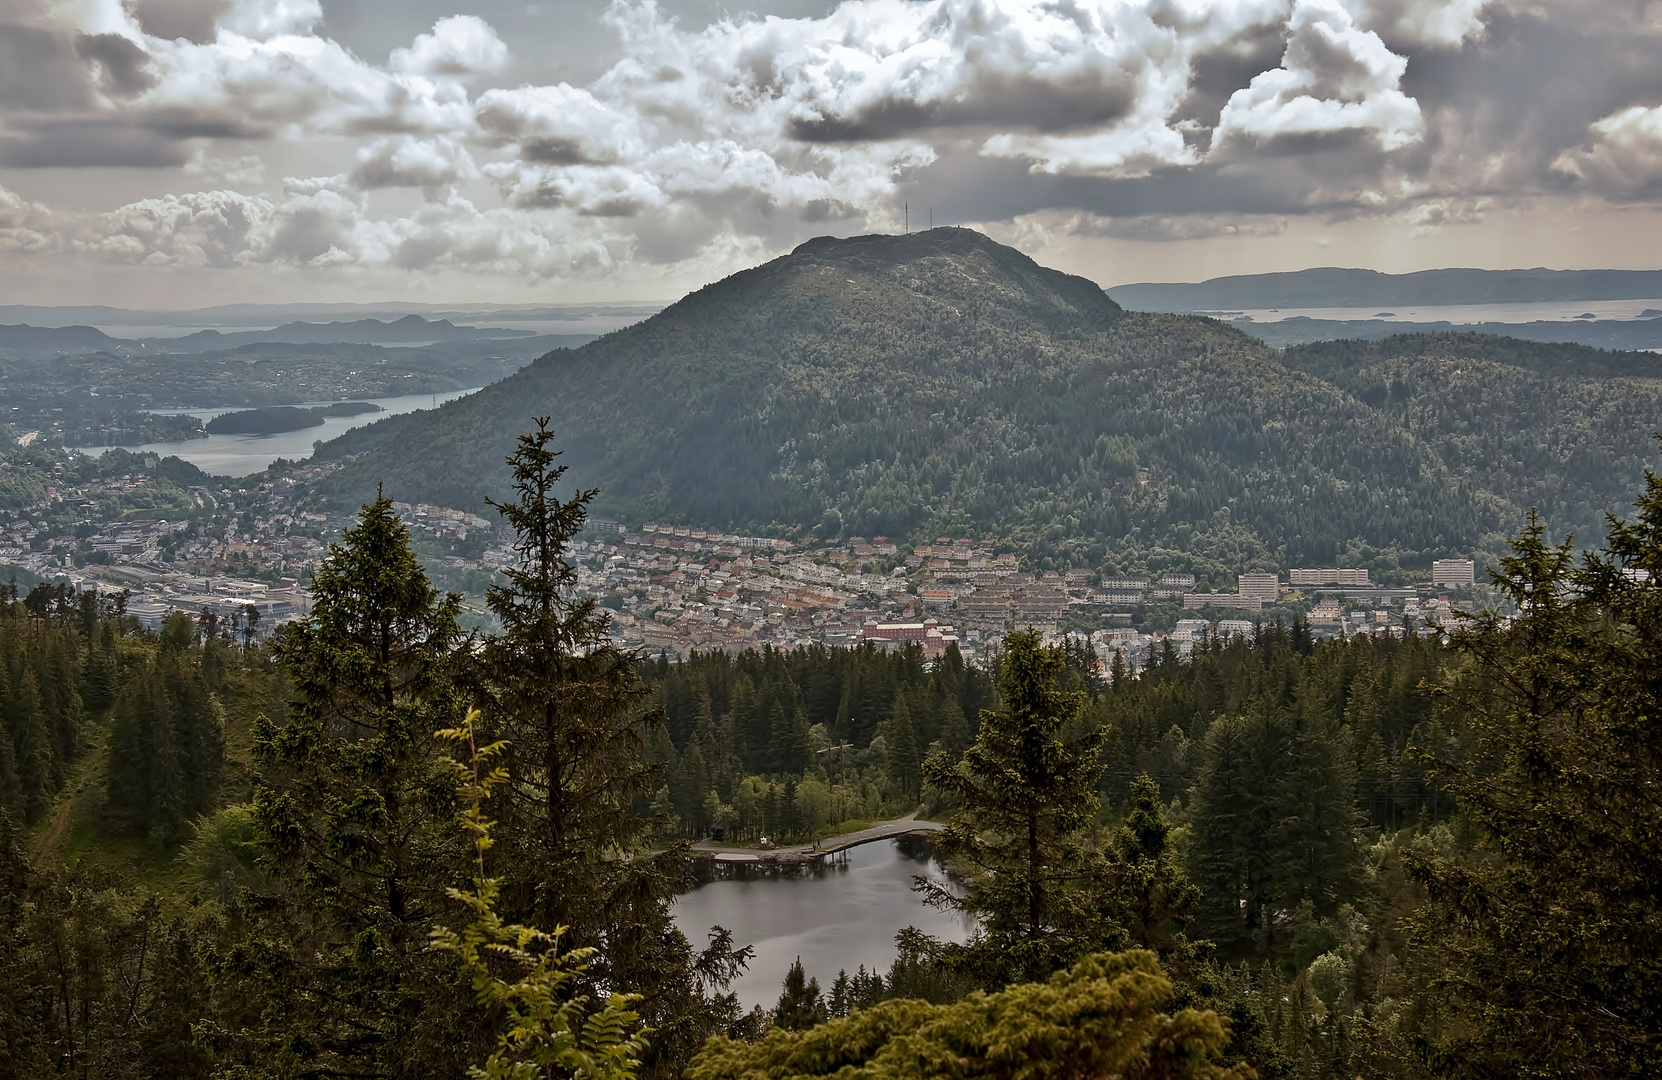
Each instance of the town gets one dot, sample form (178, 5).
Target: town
(243, 554)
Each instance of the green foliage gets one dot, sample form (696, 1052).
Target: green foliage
(96, 980)
(1540, 947)
(546, 1030)
(353, 809)
(1275, 826)
(1150, 889)
(569, 706)
(1103, 1017)
(800, 1005)
(735, 727)
(1024, 796)
(167, 747)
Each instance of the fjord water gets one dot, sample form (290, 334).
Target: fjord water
(243, 455)
(836, 918)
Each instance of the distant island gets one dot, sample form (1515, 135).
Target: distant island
(267, 421)
(348, 408)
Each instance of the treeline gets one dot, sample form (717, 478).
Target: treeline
(791, 744)
(84, 688)
(1386, 858)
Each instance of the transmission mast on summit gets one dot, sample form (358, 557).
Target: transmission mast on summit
(906, 216)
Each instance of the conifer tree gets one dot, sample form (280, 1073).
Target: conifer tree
(1540, 950)
(145, 786)
(570, 706)
(32, 743)
(800, 1005)
(1025, 795)
(905, 756)
(354, 808)
(1150, 891)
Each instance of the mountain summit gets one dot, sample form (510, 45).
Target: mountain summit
(940, 382)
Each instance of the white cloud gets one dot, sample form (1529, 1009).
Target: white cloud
(28, 227)
(1155, 119)
(458, 45)
(266, 19)
(405, 161)
(1436, 23)
(1335, 79)
(1623, 155)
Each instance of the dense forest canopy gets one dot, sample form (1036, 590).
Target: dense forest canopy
(942, 384)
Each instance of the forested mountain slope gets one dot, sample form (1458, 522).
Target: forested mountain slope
(942, 383)
(1564, 428)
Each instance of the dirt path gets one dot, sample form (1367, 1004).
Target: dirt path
(50, 834)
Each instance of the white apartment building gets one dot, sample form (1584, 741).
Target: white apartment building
(1455, 573)
(1265, 587)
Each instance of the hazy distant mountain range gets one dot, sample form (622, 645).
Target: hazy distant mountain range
(1334, 287)
(267, 315)
(34, 342)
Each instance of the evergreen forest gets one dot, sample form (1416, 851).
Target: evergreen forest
(376, 844)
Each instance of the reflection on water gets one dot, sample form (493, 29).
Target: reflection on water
(838, 917)
(243, 455)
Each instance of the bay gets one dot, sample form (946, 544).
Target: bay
(244, 455)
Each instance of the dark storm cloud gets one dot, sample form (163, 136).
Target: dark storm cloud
(188, 20)
(80, 144)
(123, 68)
(990, 101)
(40, 71)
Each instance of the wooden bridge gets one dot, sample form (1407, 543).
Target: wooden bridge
(804, 853)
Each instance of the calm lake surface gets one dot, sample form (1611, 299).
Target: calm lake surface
(844, 917)
(243, 455)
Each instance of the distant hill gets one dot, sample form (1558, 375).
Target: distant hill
(1642, 333)
(940, 383)
(269, 420)
(29, 342)
(1561, 427)
(1327, 286)
(409, 329)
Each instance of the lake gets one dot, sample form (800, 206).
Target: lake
(244, 455)
(845, 916)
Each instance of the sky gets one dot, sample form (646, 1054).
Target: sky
(181, 153)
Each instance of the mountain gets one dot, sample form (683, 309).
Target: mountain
(1564, 428)
(1329, 286)
(30, 342)
(940, 383)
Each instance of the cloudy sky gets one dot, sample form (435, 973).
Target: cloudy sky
(177, 153)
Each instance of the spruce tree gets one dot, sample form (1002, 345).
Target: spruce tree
(1150, 891)
(355, 812)
(145, 787)
(32, 743)
(800, 1005)
(569, 704)
(1025, 798)
(1539, 952)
